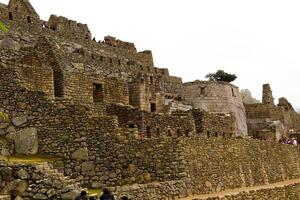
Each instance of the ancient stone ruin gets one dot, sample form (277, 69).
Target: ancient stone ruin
(116, 120)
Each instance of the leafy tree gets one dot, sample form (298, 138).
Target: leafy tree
(220, 75)
(3, 27)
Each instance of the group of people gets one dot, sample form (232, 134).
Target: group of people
(106, 195)
(292, 141)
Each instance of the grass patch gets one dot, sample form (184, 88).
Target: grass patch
(35, 159)
(96, 192)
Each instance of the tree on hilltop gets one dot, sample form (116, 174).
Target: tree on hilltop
(221, 75)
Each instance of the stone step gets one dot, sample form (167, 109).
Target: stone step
(5, 197)
(54, 173)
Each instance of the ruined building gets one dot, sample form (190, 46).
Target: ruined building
(58, 58)
(114, 119)
(266, 117)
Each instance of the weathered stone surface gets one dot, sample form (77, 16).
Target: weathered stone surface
(135, 119)
(18, 121)
(51, 193)
(40, 196)
(9, 43)
(2, 132)
(3, 125)
(6, 173)
(17, 185)
(5, 197)
(23, 174)
(11, 129)
(87, 166)
(80, 154)
(70, 195)
(26, 141)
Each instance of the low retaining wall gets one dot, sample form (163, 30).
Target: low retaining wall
(29, 182)
(290, 192)
(163, 190)
(219, 164)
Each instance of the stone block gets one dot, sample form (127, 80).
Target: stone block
(80, 154)
(19, 121)
(26, 141)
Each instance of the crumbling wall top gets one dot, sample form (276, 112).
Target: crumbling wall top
(267, 97)
(198, 82)
(112, 41)
(23, 6)
(285, 103)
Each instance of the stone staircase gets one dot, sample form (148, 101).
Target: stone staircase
(48, 170)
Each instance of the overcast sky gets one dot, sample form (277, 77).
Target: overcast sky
(258, 40)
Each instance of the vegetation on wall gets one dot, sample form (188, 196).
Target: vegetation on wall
(3, 27)
(4, 116)
(221, 75)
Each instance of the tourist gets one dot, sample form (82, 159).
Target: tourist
(294, 142)
(124, 198)
(83, 196)
(106, 195)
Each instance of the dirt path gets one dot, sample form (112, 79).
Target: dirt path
(243, 189)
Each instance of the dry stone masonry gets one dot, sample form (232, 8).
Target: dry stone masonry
(116, 120)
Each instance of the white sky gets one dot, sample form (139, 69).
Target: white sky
(258, 40)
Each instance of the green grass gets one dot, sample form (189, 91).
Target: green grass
(97, 192)
(35, 159)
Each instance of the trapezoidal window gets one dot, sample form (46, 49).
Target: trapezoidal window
(157, 132)
(28, 19)
(58, 82)
(232, 91)
(153, 107)
(202, 91)
(151, 80)
(169, 133)
(97, 93)
(178, 133)
(208, 134)
(10, 16)
(148, 132)
(187, 133)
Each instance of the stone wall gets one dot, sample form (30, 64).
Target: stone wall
(163, 190)
(31, 182)
(81, 62)
(213, 124)
(261, 114)
(152, 124)
(68, 28)
(262, 111)
(286, 192)
(215, 96)
(95, 149)
(145, 93)
(219, 164)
